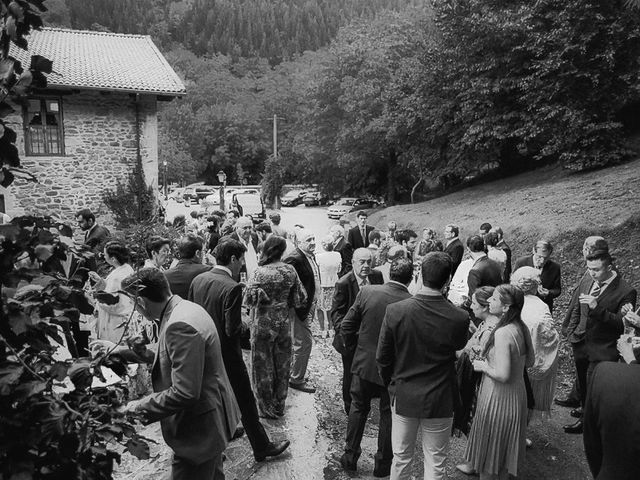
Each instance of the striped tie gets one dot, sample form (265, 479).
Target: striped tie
(596, 290)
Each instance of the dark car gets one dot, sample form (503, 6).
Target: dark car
(203, 191)
(312, 199)
(293, 198)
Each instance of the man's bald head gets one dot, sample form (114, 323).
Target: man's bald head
(243, 228)
(306, 241)
(361, 262)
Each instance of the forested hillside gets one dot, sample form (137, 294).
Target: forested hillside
(274, 29)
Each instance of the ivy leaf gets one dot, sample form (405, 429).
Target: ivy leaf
(59, 370)
(29, 389)
(138, 447)
(9, 375)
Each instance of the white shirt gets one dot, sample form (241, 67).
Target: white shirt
(250, 258)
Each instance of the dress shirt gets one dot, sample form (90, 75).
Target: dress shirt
(250, 258)
(316, 273)
(224, 269)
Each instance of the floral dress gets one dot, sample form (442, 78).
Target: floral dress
(271, 293)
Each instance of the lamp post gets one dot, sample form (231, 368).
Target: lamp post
(222, 178)
(164, 164)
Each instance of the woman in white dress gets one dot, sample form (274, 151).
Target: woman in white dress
(329, 264)
(109, 325)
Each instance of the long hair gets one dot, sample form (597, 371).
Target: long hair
(514, 297)
(272, 250)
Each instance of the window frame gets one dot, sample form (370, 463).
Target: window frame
(43, 110)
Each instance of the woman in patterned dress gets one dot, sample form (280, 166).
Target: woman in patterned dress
(497, 439)
(329, 264)
(272, 293)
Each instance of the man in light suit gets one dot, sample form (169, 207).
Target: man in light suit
(221, 296)
(304, 262)
(192, 397)
(243, 232)
(345, 294)
(358, 236)
(603, 300)
(360, 330)
(454, 246)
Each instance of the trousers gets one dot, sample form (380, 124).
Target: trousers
(209, 470)
(302, 343)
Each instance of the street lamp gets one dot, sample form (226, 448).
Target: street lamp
(164, 164)
(222, 178)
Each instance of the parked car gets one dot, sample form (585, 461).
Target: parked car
(314, 198)
(349, 204)
(177, 194)
(293, 198)
(203, 191)
(250, 204)
(189, 195)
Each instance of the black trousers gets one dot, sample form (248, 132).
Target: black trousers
(362, 392)
(347, 360)
(581, 360)
(182, 469)
(241, 385)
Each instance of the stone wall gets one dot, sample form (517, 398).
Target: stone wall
(100, 148)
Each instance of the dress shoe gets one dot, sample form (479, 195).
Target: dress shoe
(238, 433)
(347, 464)
(303, 387)
(576, 412)
(273, 450)
(574, 428)
(567, 402)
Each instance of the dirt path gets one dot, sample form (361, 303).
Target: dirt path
(316, 426)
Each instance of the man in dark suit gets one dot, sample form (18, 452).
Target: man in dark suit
(576, 336)
(304, 261)
(221, 296)
(345, 294)
(358, 236)
(416, 358)
(484, 272)
(502, 245)
(360, 331)
(550, 276)
(603, 300)
(192, 397)
(453, 247)
(343, 247)
(612, 422)
(188, 267)
(94, 235)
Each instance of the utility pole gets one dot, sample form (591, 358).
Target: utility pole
(275, 136)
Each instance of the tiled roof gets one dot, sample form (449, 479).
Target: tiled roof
(102, 61)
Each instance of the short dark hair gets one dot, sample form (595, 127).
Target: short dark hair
(602, 255)
(264, 227)
(227, 248)
(436, 269)
(362, 213)
(272, 250)
(149, 283)
(491, 239)
(275, 218)
(401, 270)
(155, 243)
(475, 243)
(235, 213)
(189, 245)
(374, 235)
(179, 221)
(485, 227)
(193, 214)
(86, 214)
(454, 229)
(405, 235)
(117, 250)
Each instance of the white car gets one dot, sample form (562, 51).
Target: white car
(349, 204)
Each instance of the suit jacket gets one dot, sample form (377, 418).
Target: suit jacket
(192, 397)
(254, 239)
(550, 277)
(345, 250)
(181, 276)
(612, 422)
(506, 249)
(304, 270)
(575, 331)
(602, 325)
(354, 237)
(360, 328)
(456, 251)
(96, 236)
(343, 297)
(485, 272)
(416, 354)
(221, 296)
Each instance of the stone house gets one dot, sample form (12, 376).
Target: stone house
(87, 128)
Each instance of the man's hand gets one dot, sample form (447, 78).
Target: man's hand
(543, 292)
(625, 347)
(130, 407)
(589, 300)
(100, 347)
(626, 308)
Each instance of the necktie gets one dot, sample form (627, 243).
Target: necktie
(364, 238)
(595, 291)
(365, 281)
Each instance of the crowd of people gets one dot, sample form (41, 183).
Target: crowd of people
(451, 337)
